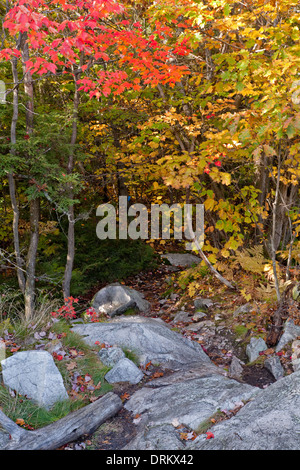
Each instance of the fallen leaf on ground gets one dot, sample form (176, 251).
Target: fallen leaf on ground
(145, 367)
(156, 375)
(72, 365)
(20, 422)
(188, 436)
(125, 396)
(92, 399)
(73, 352)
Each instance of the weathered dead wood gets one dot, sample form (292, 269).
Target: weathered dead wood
(276, 329)
(281, 314)
(83, 421)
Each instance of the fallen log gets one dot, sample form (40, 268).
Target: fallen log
(83, 421)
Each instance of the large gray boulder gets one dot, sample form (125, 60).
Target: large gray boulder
(159, 437)
(115, 299)
(269, 419)
(34, 374)
(270, 422)
(189, 402)
(150, 339)
(4, 438)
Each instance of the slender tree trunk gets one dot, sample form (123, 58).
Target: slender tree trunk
(274, 227)
(70, 253)
(34, 203)
(11, 180)
(32, 257)
(70, 193)
(262, 171)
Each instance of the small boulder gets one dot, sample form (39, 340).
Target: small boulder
(273, 365)
(236, 368)
(203, 303)
(255, 346)
(110, 356)
(199, 316)
(296, 354)
(246, 308)
(205, 325)
(186, 260)
(151, 339)
(290, 332)
(124, 371)
(115, 299)
(182, 317)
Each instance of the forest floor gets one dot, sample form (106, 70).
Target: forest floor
(119, 430)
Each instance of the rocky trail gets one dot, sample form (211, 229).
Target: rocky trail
(197, 382)
(120, 430)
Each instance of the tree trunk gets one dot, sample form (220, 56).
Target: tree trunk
(32, 257)
(34, 203)
(70, 254)
(273, 239)
(83, 421)
(70, 194)
(262, 170)
(11, 180)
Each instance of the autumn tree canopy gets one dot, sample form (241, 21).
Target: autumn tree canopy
(162, 101)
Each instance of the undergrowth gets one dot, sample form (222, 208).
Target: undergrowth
(82, 372)
(96, 261)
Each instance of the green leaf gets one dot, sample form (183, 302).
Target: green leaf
(243, 65)
(240, 86)
(226, 178)
(269, 151)
(220, 225)
(227, 10)
(291, 131)
(245, 135)
(228, 227)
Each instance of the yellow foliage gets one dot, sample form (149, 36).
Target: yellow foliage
(252, 259)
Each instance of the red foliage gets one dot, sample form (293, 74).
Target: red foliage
(60, 40)
(67, 311)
